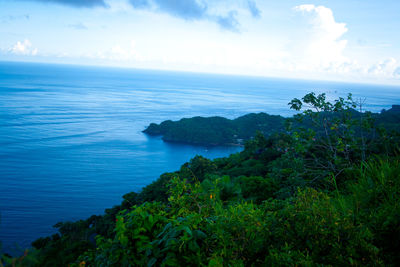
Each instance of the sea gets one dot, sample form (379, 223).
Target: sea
(71, 141)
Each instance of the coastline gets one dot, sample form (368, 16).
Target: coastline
(194, 144)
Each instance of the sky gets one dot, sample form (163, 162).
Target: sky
(339, 40)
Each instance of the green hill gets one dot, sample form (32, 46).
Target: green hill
(213, 131)
(216, 130)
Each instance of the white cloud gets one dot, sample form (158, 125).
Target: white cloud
(320, 48)
(118, 53)
(322, 44)
(23, 48)
(386, 67)
(396, 72)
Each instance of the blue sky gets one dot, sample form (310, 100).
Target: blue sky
(352, 40)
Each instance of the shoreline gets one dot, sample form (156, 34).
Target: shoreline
(195, 144)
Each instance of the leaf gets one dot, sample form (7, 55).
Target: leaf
(187, 230)
(151, 262)
(199, 234)
(215, 262)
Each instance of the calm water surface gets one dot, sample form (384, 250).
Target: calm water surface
(71, 143)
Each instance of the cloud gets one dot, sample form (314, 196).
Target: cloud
(140, 3)
(74, 3)
(321, 43)
(23, 48)
(318, 49)
(185, 9)
(10, 18)
(78, 26)
(188, 10)
(254, 11)
(198, 10)
(229, 22)
(118, 52)
(396, 72)
(387, 67)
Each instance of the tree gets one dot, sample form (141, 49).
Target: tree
(331, 136)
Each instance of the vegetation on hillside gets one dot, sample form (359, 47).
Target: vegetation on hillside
(217, 130)
(213, 131)
(322, 195)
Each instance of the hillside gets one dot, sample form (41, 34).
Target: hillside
(213, 131)
(217, 130)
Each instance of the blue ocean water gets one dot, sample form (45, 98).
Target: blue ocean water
(70, 136)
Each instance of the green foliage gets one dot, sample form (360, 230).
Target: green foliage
(324, 193)
(26, 260)
(332, 129)
(216, 130)
(257, 188)
(196, 227)
(315, 225)
(134, 232)
(337, 137)
(376, 200)
(156, 191)
(197, 168)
